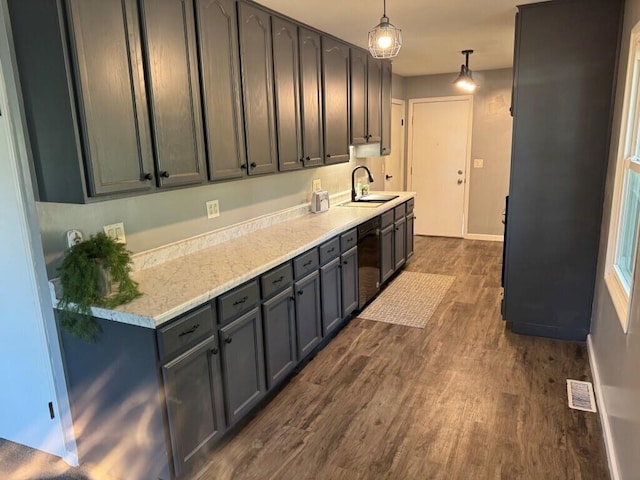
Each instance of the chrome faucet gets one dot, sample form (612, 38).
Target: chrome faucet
(353, 180)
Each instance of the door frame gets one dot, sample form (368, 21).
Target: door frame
(403, 134)
(467, 176)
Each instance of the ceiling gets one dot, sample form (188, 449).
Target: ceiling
(434, 31)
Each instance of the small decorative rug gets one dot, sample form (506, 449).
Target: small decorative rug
(409, 300)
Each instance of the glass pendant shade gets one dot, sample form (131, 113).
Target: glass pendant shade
(464, 79)
(385, 39)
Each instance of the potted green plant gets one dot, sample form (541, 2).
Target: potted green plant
(94, 273)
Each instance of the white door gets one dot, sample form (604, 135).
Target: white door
(394, 163)
(440, 148)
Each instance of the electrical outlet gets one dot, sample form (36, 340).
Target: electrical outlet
(213, 209)
(74, 237)
(316, 185)
(116, 231)
(478, 163)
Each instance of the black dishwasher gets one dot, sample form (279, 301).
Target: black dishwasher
(368, 260)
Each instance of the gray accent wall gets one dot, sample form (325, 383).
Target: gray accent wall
(398, 87)
(160, 218)
(616, 354)
(491, 140)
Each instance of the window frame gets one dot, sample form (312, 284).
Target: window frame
(627, 159)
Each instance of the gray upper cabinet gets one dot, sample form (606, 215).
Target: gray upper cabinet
(174, 91)
(335, 86)
(287, 94)
(220, 80)
(104, 146)
(385, 108)
(374, 99)
(193, 395)
(310, 50)
(358, 96)
(256, 61)
(242, 364)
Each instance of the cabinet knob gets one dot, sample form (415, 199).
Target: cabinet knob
(460, 181)
(228, 340)
(300, 292)
(302, 160)
(345, 262)
(253, 165)
(243, 166)
(384, 149)
(293, 299)
(388, 177)
(147, 176)
(214, 351)
(328, 155)
(307, 158)
(164, 174)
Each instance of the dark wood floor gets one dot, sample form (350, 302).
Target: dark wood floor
(463, 398)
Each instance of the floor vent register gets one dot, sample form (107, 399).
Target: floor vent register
(580, 395)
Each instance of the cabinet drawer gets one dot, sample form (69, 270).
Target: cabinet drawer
(400, 211)
(348, 240)
(275, 280)
(329, 250)
(238, 301)
(410, 204)
(306, 263)
(386, 219)
(186, 332)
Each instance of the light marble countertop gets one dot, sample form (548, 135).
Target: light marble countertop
(181, 284)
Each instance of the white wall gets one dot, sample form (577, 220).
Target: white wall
(31, 373)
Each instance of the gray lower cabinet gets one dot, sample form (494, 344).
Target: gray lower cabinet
(410, 240)
(387, 251)
(241, 347)
(174, 90)
(331, 288)
(311, 96)
(400, 239)
(256, 59)
(308, 313)
(349, 281)
(335, 87)
(279, 320)
(193, 397)
(104, 146)
(287, 94)
(217, 23)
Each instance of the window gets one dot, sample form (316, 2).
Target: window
(625, 213)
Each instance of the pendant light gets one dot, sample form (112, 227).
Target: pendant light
(385, 40)
(465, 80)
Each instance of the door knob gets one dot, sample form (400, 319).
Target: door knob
(459, 172)
(388, 177)
(460, 181)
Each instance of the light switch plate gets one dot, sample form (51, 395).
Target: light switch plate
(116, 231)
(478, 163)
(213, 209)
(316, 185)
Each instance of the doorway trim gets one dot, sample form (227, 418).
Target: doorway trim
(409, 175)
(403, 157)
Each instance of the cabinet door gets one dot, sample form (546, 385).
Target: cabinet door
(387, 252)
(219, 67)
(385, 109)
(374, 99)
(308, 318)
(358, 96)
(112, 96)
(279, 320)
(242, 364)
(349, 277)
(172, 72)
(311, 95)
(287, 94)
(410, 239)
(335, 86)
(400, 242)
(256, 59)
(193, 396)
(331, 290)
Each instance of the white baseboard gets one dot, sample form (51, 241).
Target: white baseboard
(602, 410)
(482, 236)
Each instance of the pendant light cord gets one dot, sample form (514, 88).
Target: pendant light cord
(384, 7)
